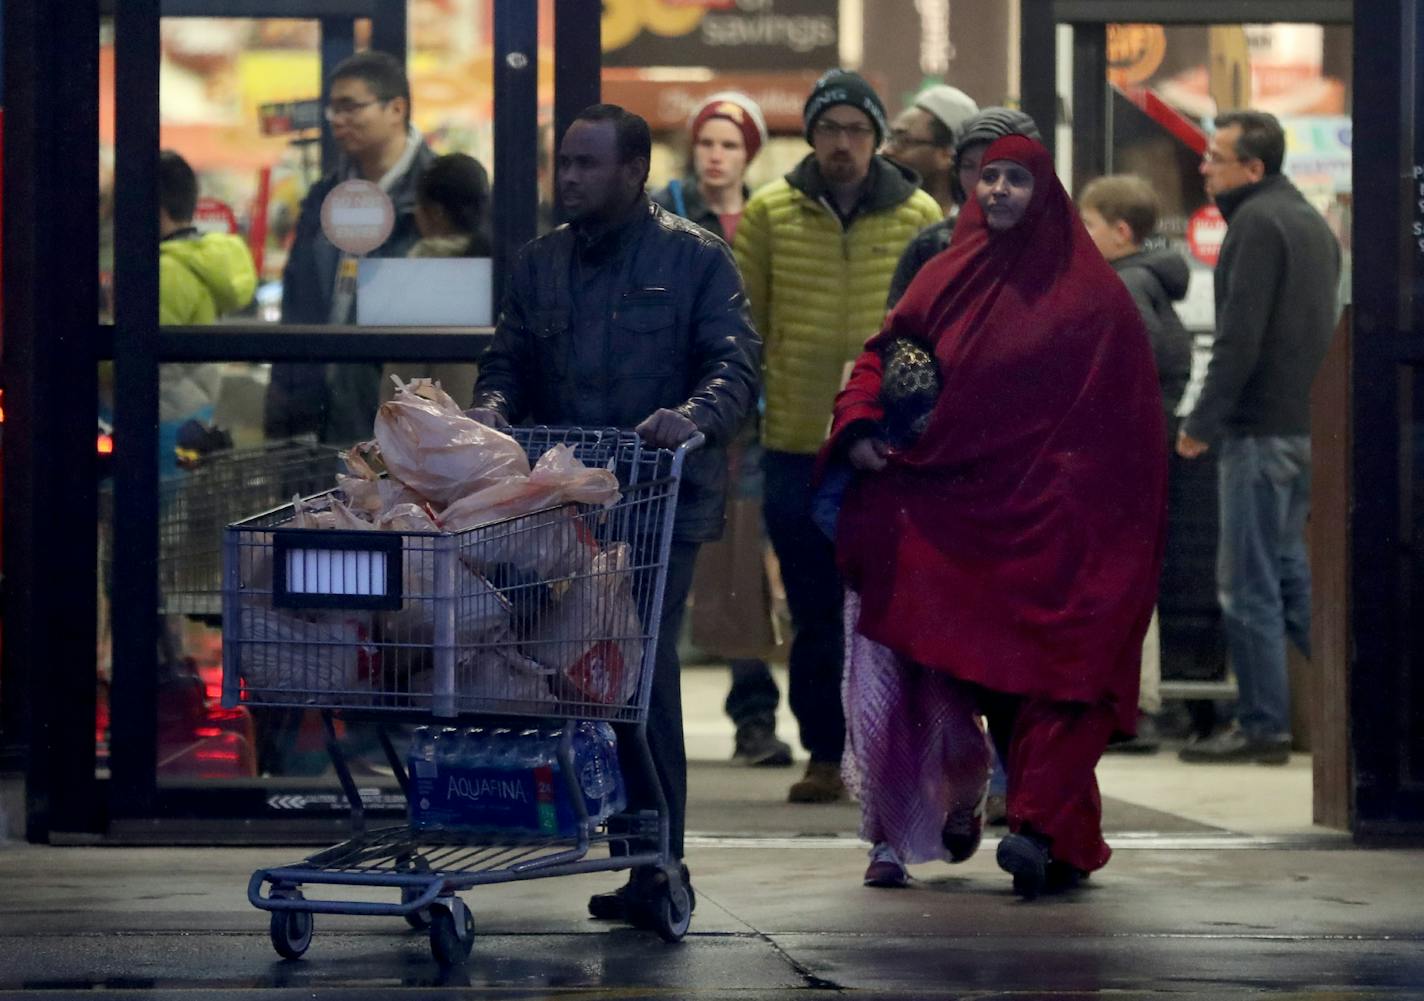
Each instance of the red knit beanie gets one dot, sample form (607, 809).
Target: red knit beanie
(737, 108)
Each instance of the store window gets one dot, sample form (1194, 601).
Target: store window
(244, 104)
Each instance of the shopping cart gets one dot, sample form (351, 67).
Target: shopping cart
(538, 620)
(196, 505)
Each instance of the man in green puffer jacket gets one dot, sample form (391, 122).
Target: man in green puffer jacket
(816, 250)
(201, 276)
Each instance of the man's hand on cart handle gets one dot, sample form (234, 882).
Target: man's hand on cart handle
(489, 417)
(666, 429)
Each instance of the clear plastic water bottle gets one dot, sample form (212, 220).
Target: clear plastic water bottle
(616, 800)
(595, 777)
(422, 749)
(476, 750)
(420, 766)
(501, 749)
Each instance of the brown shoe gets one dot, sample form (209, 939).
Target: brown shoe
(821, 784)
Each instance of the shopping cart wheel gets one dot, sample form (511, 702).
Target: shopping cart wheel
(672, 912)
(419, 920)
(291, 933)
(448, 946)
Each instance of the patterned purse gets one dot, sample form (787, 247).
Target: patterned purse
(909, 387)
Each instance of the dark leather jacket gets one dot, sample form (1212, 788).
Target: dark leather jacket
(602, 332)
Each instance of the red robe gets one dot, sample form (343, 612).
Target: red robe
(1017, 544)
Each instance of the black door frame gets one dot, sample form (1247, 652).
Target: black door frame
(1386, 731)
(52, 347)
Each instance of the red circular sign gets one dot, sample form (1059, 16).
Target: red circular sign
(213, 216)
(357, 216)
(1205, 231)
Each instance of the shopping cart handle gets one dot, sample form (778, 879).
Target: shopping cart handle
(694, 441)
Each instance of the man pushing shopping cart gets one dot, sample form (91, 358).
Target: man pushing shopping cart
(631, 317)
(537, 628)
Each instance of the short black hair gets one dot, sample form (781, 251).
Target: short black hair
(459, 184)
(380, 71)
(177, 186)
(635, 139)
(1262, 137)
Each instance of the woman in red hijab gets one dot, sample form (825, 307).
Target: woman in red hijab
(1015, 544)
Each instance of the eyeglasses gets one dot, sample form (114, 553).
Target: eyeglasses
(834, 130)
(347, 109)
(905, 139)
(1216, 159)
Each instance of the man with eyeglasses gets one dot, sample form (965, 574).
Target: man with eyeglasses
(922, 138)
(1276, 310)
(368, 106)
(816, 249)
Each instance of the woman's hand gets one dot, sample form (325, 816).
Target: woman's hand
(868, 454)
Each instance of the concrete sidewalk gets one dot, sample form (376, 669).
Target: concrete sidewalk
(1186, 916)
(1219, 888)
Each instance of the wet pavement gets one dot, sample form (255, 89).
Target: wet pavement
(1186, 916)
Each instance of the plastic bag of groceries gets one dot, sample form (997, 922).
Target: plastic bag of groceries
(499, 679)
(491, 675)
(429, 445)
(547, 545)
(481, 615)
(322, 658)
(592, 636)
(557, 478)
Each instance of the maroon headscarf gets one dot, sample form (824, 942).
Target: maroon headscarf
(1018, 543)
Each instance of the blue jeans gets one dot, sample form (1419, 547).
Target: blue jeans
(1262, 573)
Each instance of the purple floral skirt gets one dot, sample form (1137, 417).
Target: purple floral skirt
(915, 745)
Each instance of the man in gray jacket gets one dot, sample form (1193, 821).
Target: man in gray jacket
(1275, 313)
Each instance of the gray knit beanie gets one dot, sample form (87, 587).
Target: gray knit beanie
(995, 123)
(950, 105)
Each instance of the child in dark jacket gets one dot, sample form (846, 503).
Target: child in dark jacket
(1120, 213)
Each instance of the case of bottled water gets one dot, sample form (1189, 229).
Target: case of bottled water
(509, 782)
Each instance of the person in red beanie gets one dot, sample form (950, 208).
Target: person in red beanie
(727, 130)
(1012, 548)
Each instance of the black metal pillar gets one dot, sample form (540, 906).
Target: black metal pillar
(133, 747)
(388, 28)
(1038, 67)
(51, 303)
(338, 41)
(1388, 268)
(1090, 103)
(579, 54)
(516, 77)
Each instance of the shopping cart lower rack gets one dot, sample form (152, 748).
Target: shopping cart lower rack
(530, 640)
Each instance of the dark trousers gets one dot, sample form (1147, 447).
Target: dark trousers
(664, 710)
(813, 592)
(1050, 750)
(754, 695)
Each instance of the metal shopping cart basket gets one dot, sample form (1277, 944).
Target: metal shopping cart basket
(540, 620)
(195, 505)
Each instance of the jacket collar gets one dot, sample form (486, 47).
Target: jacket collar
(399, 181)
(886, 185)
(1229, 201)
(605, 243)
(696, 204)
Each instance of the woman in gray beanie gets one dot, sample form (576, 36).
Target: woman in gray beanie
(978, 132)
